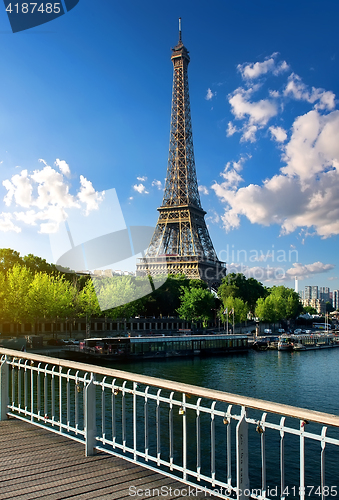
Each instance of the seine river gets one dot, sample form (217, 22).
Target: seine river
(305, 379)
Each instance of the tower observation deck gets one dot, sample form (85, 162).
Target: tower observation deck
(181, 243)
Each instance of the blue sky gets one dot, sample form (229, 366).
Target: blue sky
(85, 109)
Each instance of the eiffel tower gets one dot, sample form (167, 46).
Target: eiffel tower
(181, 243)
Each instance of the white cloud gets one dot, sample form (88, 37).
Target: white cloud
(88, 195)
(313, 147)
(213, 216)
(6, 223)
(278, 134)
(274, 93)
(249, 132)
(51, 189)
(203, 190)
(142, 179)
(298, 90)
(18, 188)
(209, 95)
(306, 192)
(231, 174)
(256, 114)
(47, 191)
(140, 188)
(306, 270)
(157, 184)
(249, 71)
(63, 167)
(277, 274)
(231, 129)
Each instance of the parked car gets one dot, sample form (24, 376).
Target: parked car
(267, 330)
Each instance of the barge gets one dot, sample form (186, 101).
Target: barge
(156, 347)
(307, 342)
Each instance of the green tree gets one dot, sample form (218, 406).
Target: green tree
(281, 303)
(88, 301)
(50, 297)
(87, 304)
(310, 310)
(235, 304)
(8, 258)
(15, 301)
(165, 300)
(37, 264)
(266, 310)
(196, 304)
(237, 285)
(329, 307)
(121, 296)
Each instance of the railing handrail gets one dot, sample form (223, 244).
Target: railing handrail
(194, 390)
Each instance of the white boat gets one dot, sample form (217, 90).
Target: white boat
(285, 343)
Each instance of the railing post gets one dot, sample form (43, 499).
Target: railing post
(4, 386)
(243, 482)
(90, 417)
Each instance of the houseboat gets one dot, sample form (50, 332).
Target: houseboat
(307, 342)
(156, 347)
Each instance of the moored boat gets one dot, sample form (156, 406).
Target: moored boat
(285, 343)
(156, 347)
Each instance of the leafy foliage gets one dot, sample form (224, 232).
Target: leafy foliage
(237, 305)
(249, 290)
(281, 303)
(196, 304)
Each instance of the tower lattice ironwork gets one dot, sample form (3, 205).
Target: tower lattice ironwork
(181, 243)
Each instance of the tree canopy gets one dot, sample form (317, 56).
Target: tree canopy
(249, 290)
(196, 303)
(236, 305)
(281, 303)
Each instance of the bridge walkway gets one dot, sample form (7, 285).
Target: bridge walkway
(38, 464)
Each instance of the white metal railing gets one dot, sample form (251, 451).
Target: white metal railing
(227, 445)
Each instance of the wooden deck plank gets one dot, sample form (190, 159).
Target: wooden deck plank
(38, 464)
(64, 486)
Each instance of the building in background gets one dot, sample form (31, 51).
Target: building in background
(324, 293)
(317, 304)
(335, 299)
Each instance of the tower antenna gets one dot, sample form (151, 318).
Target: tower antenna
(180, 29)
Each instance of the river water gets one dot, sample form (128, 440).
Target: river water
(308, 379)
